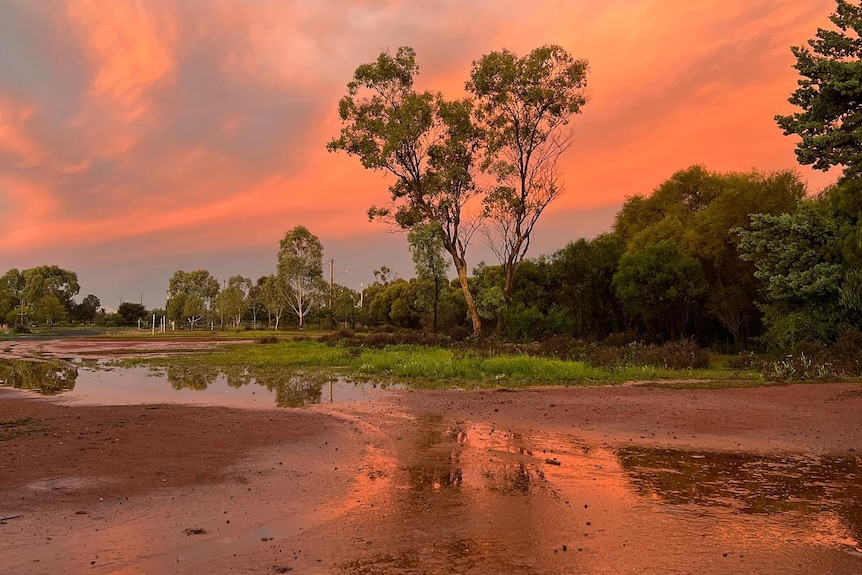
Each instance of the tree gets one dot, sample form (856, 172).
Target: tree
(582, 274)
(87, 309)
(48, 309)
(426, 247)
(426, 142)
(300, 270)
(11, 295)
(131, 312)
(806, 267)
(660, 287)
(232, 301)
(273, 295)
(524, 106)
(54, 281)
(701, 211)
(191, 296)
(829, 95)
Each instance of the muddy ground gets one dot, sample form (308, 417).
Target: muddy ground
(626, 479)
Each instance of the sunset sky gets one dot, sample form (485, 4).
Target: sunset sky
(142, 137)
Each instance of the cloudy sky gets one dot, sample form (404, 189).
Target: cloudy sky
(145, 136)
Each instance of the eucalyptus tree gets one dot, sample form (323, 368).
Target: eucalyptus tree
(429, 144)
(233, 300)
(524, 106)
(426, 247)
(272, 294)
(300, 270)
(191, 296)
(44, 284)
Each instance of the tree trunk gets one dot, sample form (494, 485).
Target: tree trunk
(461, 266)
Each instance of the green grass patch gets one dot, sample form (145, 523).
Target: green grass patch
(425, 367)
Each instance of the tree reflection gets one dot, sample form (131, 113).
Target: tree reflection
(45, 377)
(196, 377)
(291, 389)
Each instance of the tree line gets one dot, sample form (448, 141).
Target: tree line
(726, 259)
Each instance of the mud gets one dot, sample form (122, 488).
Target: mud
(557, 480)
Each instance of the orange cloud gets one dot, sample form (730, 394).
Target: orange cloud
(201, 127)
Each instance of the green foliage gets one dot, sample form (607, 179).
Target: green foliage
(132, 312)
(191, 296)
(660, 287)
(426, 247)
(582, 276)
(797, 256)
(233, 301)
(701, 212)
(300, 270)
(807, 270)
(828, 96)
(523, 106)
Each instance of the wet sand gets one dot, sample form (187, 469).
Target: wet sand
(556, 480)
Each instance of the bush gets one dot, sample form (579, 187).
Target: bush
(846, 352)
(747, 360)
(268, 339)
(809, 361)
(684, 354)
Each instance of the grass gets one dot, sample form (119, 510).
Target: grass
(428, 367)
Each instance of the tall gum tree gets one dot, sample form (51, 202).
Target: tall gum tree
(524, 106)
(300, 270)
(428, 143)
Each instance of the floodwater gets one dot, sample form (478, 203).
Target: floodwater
(90, 382)
(469, 498)
(426, 493)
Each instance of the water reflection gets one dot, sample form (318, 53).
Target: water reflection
(45, 377)
(191, 377)
(751, 483)
(105, 383)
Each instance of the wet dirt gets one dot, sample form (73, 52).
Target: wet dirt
(556, 480)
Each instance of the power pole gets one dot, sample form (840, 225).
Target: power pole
(331, 280)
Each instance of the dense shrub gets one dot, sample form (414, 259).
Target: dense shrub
(683, 354)
(809, 361)
(267, 339)
(748, 360)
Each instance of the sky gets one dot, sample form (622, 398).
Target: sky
(142, 137)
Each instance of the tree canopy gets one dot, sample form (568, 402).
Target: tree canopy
(300, 270)
(830, 94)
(434, 146)
(523, 105)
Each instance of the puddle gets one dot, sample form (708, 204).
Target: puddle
(789, 485)
(43, 377)
(476, 497)
(87, 383)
